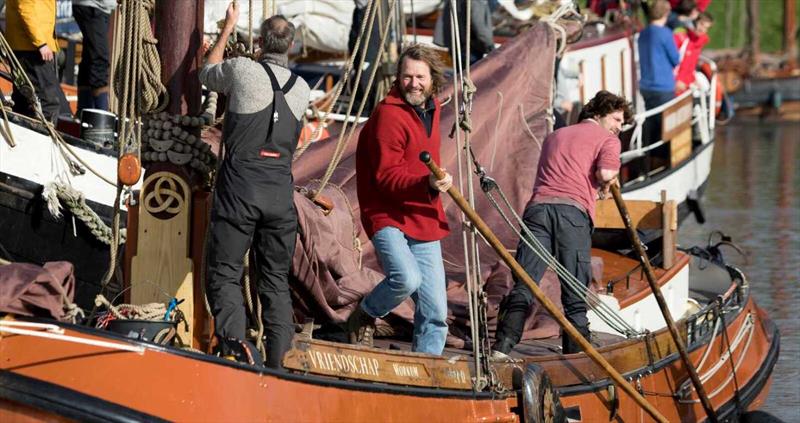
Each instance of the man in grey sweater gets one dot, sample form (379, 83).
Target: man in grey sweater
(253, 200)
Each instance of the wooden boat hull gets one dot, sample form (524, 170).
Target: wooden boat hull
(183, 386)
(68, 379)
(657, 381)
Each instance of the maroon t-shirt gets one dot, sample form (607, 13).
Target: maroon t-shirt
(569, 160)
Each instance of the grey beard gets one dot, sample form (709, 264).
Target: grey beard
(415, 99)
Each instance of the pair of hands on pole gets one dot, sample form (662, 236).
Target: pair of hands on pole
(441, 185)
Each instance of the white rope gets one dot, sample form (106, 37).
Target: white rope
(749, 327)
(606, 313)
(8, 327)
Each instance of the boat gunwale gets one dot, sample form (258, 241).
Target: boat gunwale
(36, 126)
(698, 342)
(352, 384)
(626, 188)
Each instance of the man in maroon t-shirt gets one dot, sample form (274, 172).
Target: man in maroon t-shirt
(577, 165)
(401, 208)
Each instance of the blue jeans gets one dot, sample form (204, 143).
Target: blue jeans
(413, 269)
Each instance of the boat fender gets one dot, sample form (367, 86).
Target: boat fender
(540, 400)
(693, 202)
(613, 401)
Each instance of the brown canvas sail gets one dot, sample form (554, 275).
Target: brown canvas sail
(509, 122)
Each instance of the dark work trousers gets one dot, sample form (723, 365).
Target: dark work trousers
(254, 208)
(566, 232)
(651, 132)
(93, 70)
(44, 77)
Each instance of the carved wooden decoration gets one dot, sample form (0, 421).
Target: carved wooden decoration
(162, 268)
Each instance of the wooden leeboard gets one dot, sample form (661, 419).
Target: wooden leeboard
(644, 214)
(161, 266)
(676, 118)
(389, 366)
(680, 147)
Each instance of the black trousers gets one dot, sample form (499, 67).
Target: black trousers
(566, 232)
(271, 229)
(44, 77)
(93, 70)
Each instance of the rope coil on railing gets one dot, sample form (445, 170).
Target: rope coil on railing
(76, 203)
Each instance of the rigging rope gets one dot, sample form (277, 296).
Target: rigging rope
(593, 301)
(370, 17)
(343, 141)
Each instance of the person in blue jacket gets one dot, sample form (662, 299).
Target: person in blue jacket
(658, 57)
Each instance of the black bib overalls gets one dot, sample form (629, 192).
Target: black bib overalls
(253, 204)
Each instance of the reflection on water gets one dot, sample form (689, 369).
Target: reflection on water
(754, 196)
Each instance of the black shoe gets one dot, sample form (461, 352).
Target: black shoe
(503, 345)
(571, 346)
(238, 350)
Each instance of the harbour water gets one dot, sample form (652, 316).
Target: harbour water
(753, 195)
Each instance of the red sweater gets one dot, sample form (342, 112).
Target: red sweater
(694, 44)
(392, 182)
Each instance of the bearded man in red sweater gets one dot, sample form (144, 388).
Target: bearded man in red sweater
(401, 206)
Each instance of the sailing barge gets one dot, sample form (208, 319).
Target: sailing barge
(52, 370)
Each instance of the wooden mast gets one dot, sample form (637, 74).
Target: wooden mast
(179, 31)
(170, 220)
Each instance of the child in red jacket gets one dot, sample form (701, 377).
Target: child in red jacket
(690, 44)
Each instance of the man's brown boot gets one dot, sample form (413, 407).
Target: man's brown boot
(360, 327)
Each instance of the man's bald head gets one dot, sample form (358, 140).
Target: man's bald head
(277, 34)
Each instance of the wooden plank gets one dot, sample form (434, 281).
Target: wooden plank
(603, 71)
(397, 367)
(582, 87)
(680, 147)
(162, 267)
(622, 73)
(669, 238)
(644, 215)
(676, 118)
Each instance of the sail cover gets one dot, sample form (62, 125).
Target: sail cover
(335, 264)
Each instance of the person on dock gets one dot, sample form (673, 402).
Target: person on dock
(401, 206)
(658, 57)
(253, 200)
(576, 161)
(30, 29)
(92, 17)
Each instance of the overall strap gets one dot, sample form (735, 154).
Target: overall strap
(275, 86)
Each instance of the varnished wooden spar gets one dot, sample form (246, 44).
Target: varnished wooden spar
(551, 308)
(662, 304)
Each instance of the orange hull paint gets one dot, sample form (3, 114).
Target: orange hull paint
(186, 386)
